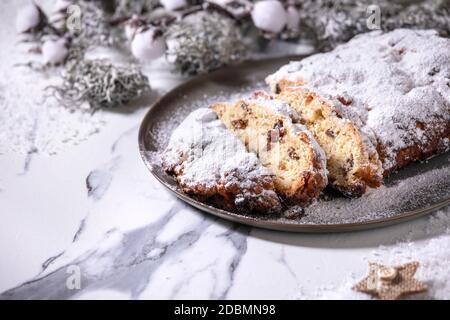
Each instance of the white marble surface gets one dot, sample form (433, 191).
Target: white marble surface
(89, 204)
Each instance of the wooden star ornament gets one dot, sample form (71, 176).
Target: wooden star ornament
(391, 283)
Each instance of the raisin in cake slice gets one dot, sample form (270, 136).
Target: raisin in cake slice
(265, 126)
(210, 162)
(352, 160)
(394, 86)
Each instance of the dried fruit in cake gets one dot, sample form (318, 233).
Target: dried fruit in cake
(394, 87)
(352, 160)
(266, 127)
(209, 162)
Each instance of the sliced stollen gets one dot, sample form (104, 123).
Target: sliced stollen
(352, 159)
(265, 125)
(211, 163)
(394, 87)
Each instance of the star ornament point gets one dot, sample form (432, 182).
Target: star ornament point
(391, 283)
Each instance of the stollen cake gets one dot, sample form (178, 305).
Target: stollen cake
(209, 162)
(352, 160)
(266, 126)
(388, 92)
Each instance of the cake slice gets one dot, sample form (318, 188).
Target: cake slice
(393, 87)
(265, 125)
(209, 162)
(352, 160)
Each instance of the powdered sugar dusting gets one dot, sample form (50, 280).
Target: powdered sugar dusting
(209, 150)
(28, 121)
(275, 105)
(433, 254)
(205, 154)
(415, 187)
(290, 114)
(396, 83)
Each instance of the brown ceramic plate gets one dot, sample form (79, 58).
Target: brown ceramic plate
(414, 191)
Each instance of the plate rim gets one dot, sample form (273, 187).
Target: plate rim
(251, 221)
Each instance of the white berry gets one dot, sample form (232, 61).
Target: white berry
(27, 18)
(54, 51)
(293, 18)
(269, 15)
(222, 3)
(146, 46)
(173, 4)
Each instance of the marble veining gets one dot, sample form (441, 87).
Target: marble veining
(139, 241)
(87, 220)
(126, 262)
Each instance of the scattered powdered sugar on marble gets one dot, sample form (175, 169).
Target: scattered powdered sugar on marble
(31, 123)
(28, 121)
(397, 83)
(433, 254)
